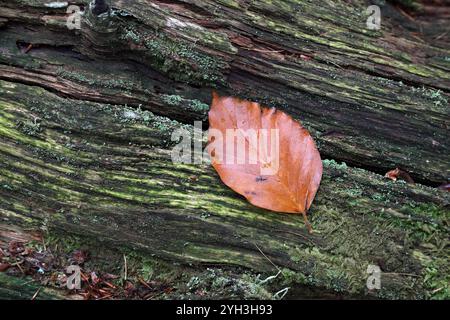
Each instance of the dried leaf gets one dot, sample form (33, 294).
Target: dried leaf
(16, 247)
(284, 183)
(78, 257)
(4, 266)
(305, 57)
(398, 174)
(109, 276)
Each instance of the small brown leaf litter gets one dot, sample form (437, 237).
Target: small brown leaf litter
(47, 266)
(4, 267)
(78, 257)
(398, 174)
(293, 185)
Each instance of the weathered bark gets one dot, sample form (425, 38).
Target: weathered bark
(104, 172)
(22, 289)
(79, 157)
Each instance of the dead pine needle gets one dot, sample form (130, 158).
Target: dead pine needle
(267, 257)
(125, 268)
(29, 47)
(36, 294)
(17, 264)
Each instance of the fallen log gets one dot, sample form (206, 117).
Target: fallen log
(105, 172)
(87, 117)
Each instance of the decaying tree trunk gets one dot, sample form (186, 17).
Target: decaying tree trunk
(87, 117)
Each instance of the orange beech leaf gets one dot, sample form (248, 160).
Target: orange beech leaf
(278, 167)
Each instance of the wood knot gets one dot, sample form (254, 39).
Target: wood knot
(99, 7)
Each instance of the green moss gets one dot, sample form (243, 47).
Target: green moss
(437, 279)
(230, 3)
(91, 80)
(186, 104)
(218, 283)
(410, 4)
(172, 100)
(176, 58)
(333, 164)
(423, 222)
(436, 96)
(212, 39)
(24, 288)
(149, 268)
(31, 128)
(66, 243)
(132, 36)
(333, 272)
